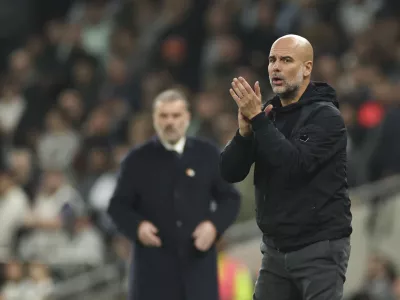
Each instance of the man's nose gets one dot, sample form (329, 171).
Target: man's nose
(276, 67)
(169, 122)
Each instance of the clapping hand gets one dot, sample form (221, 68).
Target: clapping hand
(247, 99)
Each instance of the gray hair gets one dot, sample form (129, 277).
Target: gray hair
(170, 95)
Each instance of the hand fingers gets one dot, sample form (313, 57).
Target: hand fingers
(257, 89)
(200, 243)
(156, 241)
(153, 229)
(234, 96)
(153, 240)
(198, 231)
(203, 243)
(268, 109)
(236, 88)
(241, 87)
(246, 85)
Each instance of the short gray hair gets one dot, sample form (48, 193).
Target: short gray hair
(170, 95)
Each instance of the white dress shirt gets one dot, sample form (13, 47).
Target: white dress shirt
(178, 147)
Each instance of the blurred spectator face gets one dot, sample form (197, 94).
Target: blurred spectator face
(119, 152)
(140, 129)
(148, 13)
(21, 165)
(384, 92)
(152, 83)
(35, 45)
(55, 31)
(247, 73)
(95, 12)
(327, 68)
(123, 42)
(117, 107)
(72, 35)
(99, 122)
(229, 49)
(366, 75)
(116, 70)
(97, 160)
(362, 46)
(55, 122)
(14, 271)
(286, 68)
(207, 106)
(265, 14)
(52, 181)
(38, 271)
(174, 50)
(70, 101)
(20, 62)
(309, 3)
(218, 20)
(171, 120)
(83, 72)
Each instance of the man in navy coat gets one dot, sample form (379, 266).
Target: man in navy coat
(163, 203)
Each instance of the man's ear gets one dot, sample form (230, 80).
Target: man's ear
(308, 68)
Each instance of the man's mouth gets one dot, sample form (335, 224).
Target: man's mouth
(277, 81)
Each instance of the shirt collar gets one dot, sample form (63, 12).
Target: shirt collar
(178, 147)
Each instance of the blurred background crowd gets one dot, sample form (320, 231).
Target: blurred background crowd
(77, 80)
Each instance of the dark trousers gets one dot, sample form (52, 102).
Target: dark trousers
(315, 272)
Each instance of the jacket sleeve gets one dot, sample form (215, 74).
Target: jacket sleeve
(237, 158)
(227, 198)
(323, 136)
(122, 203)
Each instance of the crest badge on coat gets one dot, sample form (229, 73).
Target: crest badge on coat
(190, 172)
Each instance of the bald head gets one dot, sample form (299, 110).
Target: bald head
(290, 65)
(298, 44)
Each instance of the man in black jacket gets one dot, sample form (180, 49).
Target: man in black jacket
(297, 142)
(164, 202)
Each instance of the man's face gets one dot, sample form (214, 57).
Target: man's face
(286, 68)
(171, 120)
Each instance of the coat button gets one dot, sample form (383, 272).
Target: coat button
(179, 223)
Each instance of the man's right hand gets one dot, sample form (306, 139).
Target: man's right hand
(147, 234)
(244, 125)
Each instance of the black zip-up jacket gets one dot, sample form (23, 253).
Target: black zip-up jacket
(300, 173)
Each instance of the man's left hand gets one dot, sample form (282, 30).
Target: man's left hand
(247, 99)
(204, 235)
